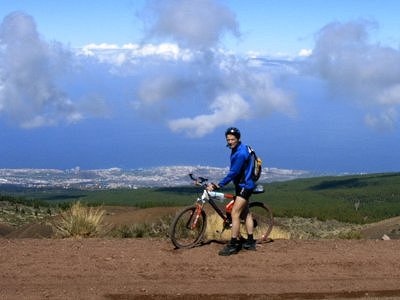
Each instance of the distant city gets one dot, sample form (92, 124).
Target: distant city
(115, 178)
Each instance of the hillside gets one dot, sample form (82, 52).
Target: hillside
(357, 199)
(308, 208)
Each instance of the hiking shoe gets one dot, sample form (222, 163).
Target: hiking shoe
(249, 245)
(230, 249)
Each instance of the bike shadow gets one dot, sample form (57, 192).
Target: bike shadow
(222, 242)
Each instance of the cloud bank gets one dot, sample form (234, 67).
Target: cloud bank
(180, 74)
(359, 70)
(224, 83)
(29, 95)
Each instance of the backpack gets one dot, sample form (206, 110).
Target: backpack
(257, 164)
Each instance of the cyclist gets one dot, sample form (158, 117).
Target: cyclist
(240, 175)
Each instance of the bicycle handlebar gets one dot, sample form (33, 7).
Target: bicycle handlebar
(199, 180)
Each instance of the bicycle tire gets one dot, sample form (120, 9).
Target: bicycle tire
(263, 220)
(181, 233)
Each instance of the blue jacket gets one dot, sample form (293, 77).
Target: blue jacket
(241, 169)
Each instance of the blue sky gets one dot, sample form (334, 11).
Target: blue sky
(313, 85)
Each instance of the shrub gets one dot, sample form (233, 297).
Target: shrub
(80, 221)
(159, 229)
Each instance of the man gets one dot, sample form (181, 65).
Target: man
(240, 174)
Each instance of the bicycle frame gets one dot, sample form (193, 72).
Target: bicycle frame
(210, 197)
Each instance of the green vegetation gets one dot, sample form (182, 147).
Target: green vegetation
(143, 198)
(355, 199)
(17, 211)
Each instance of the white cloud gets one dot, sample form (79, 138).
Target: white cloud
(357, 69)
(390, 95)
(90, 49)
(195, 24)
(344, 57)
(305, 52)
(130, 46)
(102, 46)
(264, 96)
(385, 120)
(160, 88)
(226, 109)
(221, 84)
(29, 95)
(119, 55)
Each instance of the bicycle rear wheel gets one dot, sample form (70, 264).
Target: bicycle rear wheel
(186, 231)
(263, 220)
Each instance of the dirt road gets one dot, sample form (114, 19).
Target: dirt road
(152, 269)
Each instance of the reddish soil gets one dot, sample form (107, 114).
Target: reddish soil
(152, 269)
(47, 268)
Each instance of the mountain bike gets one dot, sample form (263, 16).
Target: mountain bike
(189, 225)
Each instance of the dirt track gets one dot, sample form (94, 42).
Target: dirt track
(152, 269)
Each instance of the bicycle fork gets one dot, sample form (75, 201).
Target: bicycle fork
(196, 214)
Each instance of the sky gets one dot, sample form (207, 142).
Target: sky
(312, 85)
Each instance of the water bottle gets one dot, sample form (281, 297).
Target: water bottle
(217, 195)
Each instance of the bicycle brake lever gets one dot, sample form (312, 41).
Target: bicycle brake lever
(196, 182)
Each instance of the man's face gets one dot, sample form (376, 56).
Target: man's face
(232, 141)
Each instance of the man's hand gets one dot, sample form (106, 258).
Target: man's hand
(212, 186)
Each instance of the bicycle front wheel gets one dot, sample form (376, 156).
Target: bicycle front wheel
(263, 220)
(188, 227)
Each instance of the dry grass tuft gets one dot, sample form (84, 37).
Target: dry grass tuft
(214, 228)
(80, 221)
(311, 228)
(215, 225)
(289, 228)
(279, 233)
